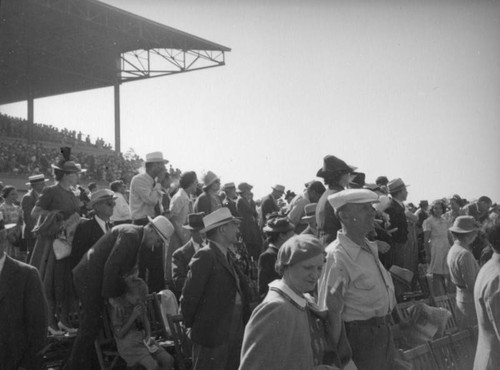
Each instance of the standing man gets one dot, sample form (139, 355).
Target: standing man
(121, 211)
(182, 256)
(89, 231)
(231, 197)
(215, 297)
(100, 275)
(37, 183)
(397, 219)
(311, 195)
(180, 207)
(23, 311)
(487, 301)
(209, 200)
(145, 193)
(270, 202)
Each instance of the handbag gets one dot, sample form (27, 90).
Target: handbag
(62, 248)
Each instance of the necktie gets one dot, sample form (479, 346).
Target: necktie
(108, 226)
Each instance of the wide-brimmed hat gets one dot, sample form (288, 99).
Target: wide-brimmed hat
(229, 185)
(208, 179)
(218, 218)
(101, 195)
(155, 157)
(332, 164)
(464, 224)
(66, 164)
(278, 225)
(279, 188)
(244, 186)
(309, 211)
(35, 179)
(194, 221)
(162, 226)
(396, 185)
(352, 196)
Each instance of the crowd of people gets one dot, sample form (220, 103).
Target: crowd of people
(300, 283)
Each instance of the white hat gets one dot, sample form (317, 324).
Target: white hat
(36, 178)
(279, 188)
(218, 218)
(162, 226)
(100, 196)
(356, 196)
(208, 179)
(155, 157)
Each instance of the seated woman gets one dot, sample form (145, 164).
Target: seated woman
(287, 330)
(133, 333)
(464, 269)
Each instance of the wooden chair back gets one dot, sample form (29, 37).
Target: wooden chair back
(444, 353)
(181, 340)
(421, 358)
(464, 344)
(448, 302)
(105, 345)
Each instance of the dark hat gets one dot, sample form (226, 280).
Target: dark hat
(195, 221)
(357, 180)
(244, 186)
(278, 225)
(396, 185)
(423, 203)
(382, 180)
(332, 164)
(299, 248)
(66, 164)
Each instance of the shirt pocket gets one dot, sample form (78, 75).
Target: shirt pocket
(364, 282)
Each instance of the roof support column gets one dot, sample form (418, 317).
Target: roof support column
(117, 117)
(30, 118)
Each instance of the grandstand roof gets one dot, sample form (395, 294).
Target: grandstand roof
(52, 47)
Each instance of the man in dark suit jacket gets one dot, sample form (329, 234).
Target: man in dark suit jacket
(215, 297)
(89, 231)
(23, 313)
(183, 255)
(396, 212)
(37, 183)
(231, 196)
(270, 202)
(100, 275)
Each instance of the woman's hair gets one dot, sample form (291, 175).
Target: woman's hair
(187, 178)
(7, 190)
(137, 286)
(437, 202)
(492, 231)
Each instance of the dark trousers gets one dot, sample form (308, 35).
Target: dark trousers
(372, 346)
(83, 352)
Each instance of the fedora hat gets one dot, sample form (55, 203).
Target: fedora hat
(332, 164)
(396, 185)
(34, 179)
(244, 186)
(218, 218)
(162, 226)
(101, 195)
(349, 196)
(194, 221)
(229, 185)
(278, 225)
(208, 179)
(279, 188)
(155, 157)
(464, 224)
(309, 211)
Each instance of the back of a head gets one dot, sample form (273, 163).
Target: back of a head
(492, 231)
(317, 187)
(485, 199)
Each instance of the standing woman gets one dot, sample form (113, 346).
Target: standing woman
(437, 242)
(464, 269)
(455, 209)
(57, 214)
(12, 214)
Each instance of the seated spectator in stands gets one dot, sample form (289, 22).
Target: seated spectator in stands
(23, 311)
(464, 269)
(311, 195)
(278, 230)
(132, 330)
(182, 256)
(13, 214)
(487, 302)
(121, 211)
(209, 200)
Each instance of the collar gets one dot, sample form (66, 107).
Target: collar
(285, 289)
(222, 248)
(351, 248)
(399, 202)
(2, 262)
(100, 222)
(196, 246)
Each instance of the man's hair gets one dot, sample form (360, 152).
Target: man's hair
(187, 178)
(485, 199)
(115, 185)
(492, 231)
(137, 286)
(91, 186)
(316, 186)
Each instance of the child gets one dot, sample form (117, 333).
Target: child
(132, 330)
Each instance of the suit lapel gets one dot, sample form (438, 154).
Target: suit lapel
(8, 277)
(222, 259)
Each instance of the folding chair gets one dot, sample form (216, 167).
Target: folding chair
(105, 345)
(465, 346)
(444, 353)
(181, 341)
(448, 302)
(421, 358)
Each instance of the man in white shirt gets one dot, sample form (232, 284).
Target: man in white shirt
(121, 212)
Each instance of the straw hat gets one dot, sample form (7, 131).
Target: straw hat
(34, 179)
(218, 218)
(101, 195)
(464, 224)
(155, 157)
(162, 226)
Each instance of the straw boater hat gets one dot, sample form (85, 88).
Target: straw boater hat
(35, 179)
(332, 164)
(208, 179)
(194, 221)
(101, 195)
(229, 185)
(396, 185)
(155, 157)
(67, 164)
(464, 225)
(309, 211)
(352, 196)
(218, 218)
(162, 226)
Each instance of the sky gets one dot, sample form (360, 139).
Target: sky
(406, 89)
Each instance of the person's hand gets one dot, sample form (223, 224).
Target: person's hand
(382, 246)
(335, 297)
(138, 311)
(390, 231)
(117, 305)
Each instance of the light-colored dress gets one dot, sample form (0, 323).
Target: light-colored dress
(439, 244)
